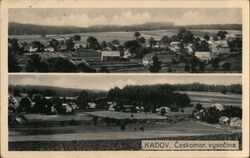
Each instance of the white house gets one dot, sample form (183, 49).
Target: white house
(235, 122)
(218, 106)
(33, 49)
(49, 49)
(68, 109)
(230, 37)
(92, 105)
(167, 109)
(204, 55)
(110, 55)
(189, 49)
(224, 120)
(148, 59)
(175, 46)
(127, 55)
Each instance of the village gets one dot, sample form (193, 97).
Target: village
(183, 52)
(27, 108)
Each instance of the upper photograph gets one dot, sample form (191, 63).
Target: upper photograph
(125, 40)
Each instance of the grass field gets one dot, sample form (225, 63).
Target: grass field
(121, 36)
(208, 98)
(101, 145)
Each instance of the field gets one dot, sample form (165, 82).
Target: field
(101, 145)
(208, 98)
(121, 36)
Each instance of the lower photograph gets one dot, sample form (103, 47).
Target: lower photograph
(80, 112)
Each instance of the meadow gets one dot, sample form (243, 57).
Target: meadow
(208, 98)
(121, 36)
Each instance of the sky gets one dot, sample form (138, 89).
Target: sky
(106, 82)
(83, 17)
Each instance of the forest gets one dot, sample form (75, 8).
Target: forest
(31, 29)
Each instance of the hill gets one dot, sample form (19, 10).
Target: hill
(32, 29)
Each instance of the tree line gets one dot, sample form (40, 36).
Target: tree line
(31, 29)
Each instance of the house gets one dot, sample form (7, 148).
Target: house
(77, 45)
(63, 48)
(204, 55)
(175, 46)
(127, 55)
(220, 47)
(92, 105)
(200, 114)
(224, 120)
(218, 106)
(235, 122)
(189, 49)
(167, 109)
(32, 49)
(230, 37)
(73, 106)
(148, 59)
(111, 106)
(127, 108)
(13, 104)
(110, 55)
(49, 49)
(67, 107)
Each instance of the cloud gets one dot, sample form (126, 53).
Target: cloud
(83, 20)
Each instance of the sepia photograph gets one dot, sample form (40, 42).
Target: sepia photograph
(100, 113)
(125, 40)
(124, 79)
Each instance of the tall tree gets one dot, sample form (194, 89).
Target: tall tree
(156, 66)
(137, 34)
(152, 41)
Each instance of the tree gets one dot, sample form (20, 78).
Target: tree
(215, 38)
(222, 34)
(38, 45)
(25, 105)
(104, 44)
(92, 43)
(13, 44)
(137, 34)
(141, 40)
(114, 93)
(132, 43)
(215, 63)
(82, 99)
(76, 37)
(187, 67)
(226, 66)
(163, 111)
(198, 106)
(174, 38)
(115, 42)
(188, 37)
(156, 66)
(212, 115)
(152, 41)
(206, 37)
(201, 66)
(194, 61)
(54, 43)
(13, 65)
(204, 46)
(70, 44)
(185, 36)
(60, 64)
(165, 40)
(36, 65)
